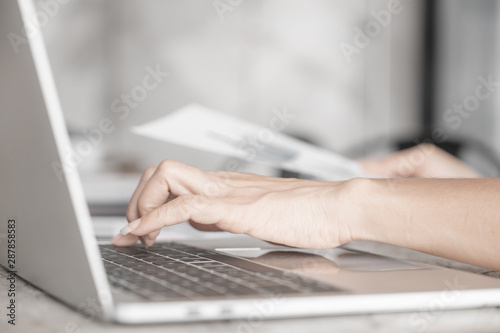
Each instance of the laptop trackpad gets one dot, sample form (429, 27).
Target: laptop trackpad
(309, 261)
(323, 261)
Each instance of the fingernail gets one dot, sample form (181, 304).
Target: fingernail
(129, 227)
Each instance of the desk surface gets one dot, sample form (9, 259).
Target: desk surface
(37, 312)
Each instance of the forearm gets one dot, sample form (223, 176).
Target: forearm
(453, 218)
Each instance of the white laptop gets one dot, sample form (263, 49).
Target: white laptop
(47, 235)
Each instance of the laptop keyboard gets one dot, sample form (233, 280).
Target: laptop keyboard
(169, 271)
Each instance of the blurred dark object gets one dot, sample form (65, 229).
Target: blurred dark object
(429, 79)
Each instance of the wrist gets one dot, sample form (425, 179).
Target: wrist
(359, 202)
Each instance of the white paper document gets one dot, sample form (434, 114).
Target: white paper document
(199, 127)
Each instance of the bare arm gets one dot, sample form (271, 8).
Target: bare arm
(453, 218)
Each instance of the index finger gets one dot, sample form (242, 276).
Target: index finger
(196, 208)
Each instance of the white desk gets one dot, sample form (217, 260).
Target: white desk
(37, 312)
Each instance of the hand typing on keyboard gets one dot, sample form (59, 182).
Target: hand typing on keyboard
(437, 215)
(300, 213)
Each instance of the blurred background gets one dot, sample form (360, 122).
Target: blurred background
(363, 77)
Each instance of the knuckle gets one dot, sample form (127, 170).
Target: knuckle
(148, 173)
(166, 166)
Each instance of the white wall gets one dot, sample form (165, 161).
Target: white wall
(264, 54)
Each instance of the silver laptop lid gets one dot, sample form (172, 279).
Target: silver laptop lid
(40, 193)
